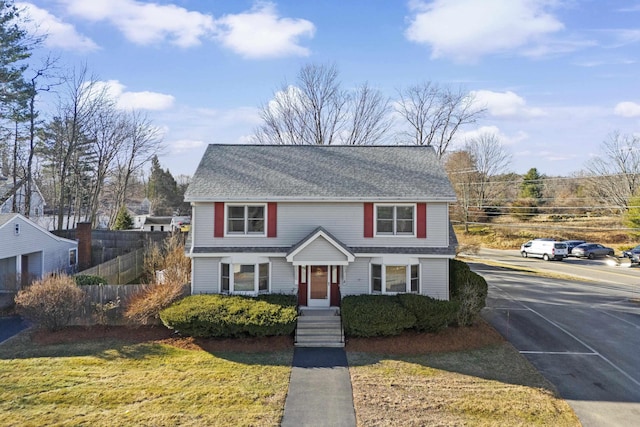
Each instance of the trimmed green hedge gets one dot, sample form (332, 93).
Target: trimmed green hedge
(468, 289)
(88, 280)
(374, 315)
(432, 315)
(231, 316)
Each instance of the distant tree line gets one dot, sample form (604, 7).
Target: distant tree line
(86, 155)
(317, 109)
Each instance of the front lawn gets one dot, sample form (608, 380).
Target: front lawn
(115, 382)
(119, 376)
(491, 386)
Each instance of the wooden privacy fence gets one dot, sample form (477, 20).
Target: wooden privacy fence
(100, 295)
(121, 270)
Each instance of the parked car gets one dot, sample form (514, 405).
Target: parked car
(572, 244)
(634, 254)
(547, 249)
(591, 251)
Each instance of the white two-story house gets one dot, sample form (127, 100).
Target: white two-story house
(320, 222)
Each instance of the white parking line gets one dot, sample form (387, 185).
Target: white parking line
(619, 318)
(613, 365)
(563, 353)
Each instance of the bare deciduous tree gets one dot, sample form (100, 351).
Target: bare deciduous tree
(490, 159)
(317, 111)
(461, 168)
(615, 174)
(143, 141)
(435, 113)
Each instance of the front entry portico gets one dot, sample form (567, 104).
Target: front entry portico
(319, 260)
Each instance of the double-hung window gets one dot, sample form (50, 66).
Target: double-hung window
(395, 220)
(246, 219)
(244, 278)
(395, 278)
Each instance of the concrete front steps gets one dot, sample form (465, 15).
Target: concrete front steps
(319, 328)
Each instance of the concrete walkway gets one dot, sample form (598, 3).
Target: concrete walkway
(319, 390)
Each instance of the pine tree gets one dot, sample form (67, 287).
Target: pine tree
(531, 187)
(14, 50)
(123, 220)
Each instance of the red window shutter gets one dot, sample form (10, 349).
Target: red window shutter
(218, 220)
(421, 216)
(272, 218)
(368, 220)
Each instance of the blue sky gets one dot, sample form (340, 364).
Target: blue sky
(557, 76)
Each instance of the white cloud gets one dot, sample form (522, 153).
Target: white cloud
(257, 33)
(468, 29)
(144, 100)
(59, 34)
(501, 136)
(147, 23)
(505, 104)
(182, 146)
(261, 33)
(627, 109)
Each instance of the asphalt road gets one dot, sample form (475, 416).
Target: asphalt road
(583, 336)
(9, 326)
(594, 270)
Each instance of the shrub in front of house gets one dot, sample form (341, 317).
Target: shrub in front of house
(469, 290)
(432, 315)
(229, 316)
(374, 315)
(284, 300)
(52, 302)
(89, 280)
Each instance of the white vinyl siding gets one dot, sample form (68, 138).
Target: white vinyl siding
(204, 276)
(320, 250)
(343, 220)
(202, 221)
(356, 278)
(282, 277)
(47, 252)
(435, 278)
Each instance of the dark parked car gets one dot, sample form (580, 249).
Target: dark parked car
(634, 254)
(572, 244)
(591, 251)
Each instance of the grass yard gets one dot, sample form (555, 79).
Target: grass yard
(116, 383)
(148, 377)
(492, 386)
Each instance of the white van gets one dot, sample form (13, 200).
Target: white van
(547, 249)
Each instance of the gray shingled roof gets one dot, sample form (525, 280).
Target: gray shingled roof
(307, 172)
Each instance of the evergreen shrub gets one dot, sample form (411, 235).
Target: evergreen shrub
(374, 315)
(432, 315)
(229, 316)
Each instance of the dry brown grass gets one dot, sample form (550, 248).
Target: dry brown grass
(492, 386)
(509, 233)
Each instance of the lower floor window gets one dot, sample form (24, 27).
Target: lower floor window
(395, 278)
(244, 278)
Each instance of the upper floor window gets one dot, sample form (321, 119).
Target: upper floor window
(73, 257)
(246, 219)
(395, 220)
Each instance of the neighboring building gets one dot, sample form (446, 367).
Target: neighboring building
(159, 223)
(29, 252)
(8, 192)
(321, 222)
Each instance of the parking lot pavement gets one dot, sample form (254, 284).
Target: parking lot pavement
(583, 337)
(10, 326)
